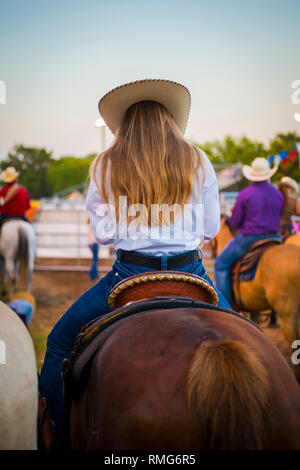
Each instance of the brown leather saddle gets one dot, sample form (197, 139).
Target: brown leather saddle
(150, 284)
(136, 294)
(244, 269)
(141, 292)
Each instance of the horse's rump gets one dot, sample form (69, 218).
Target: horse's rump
(93, 335)
(147, 391)
(18, 390)
(23, 255)
(17, 246)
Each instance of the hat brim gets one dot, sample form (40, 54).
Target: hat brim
(175, 97)
(290, 184)
(252, 176)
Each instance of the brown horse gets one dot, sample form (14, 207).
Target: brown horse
(275, 285)
(189, 378)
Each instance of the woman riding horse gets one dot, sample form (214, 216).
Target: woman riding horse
(17, 240)
(154, 172)
(256, 215)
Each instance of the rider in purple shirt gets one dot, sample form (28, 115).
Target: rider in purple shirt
(257, 209)
(256, 215)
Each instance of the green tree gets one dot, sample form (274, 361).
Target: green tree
(241, 149)
(288, 142)
(44, 176)
(33, 164)
(69, 171)
(233, 150)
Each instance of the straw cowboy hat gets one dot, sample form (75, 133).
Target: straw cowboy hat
(9, 175)
(175, 97)
(259, 170)
(287, 181)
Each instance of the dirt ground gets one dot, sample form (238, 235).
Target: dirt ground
(55, 292)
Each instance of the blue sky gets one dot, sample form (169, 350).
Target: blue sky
(57, 58)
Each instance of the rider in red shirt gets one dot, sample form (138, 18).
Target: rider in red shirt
(14, 198)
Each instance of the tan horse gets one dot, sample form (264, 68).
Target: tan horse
(276, 285)
(293, 240)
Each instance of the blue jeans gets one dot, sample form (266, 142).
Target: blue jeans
(235, 250)
(90, 305)
(94, 247)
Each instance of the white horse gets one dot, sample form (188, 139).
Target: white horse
(18, 384)
(17, 247)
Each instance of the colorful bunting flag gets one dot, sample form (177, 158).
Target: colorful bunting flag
(285, 157)
(285, 162)
(283, 154)
(277, 160)
(292, 155)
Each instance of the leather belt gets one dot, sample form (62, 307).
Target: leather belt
(154, 262)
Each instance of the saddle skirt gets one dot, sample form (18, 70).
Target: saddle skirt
(244, 269)
(133, 294)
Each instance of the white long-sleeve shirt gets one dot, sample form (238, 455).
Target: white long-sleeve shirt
(199, 221)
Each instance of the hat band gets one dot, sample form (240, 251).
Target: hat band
(257, 173)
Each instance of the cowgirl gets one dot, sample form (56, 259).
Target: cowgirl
(167, 183)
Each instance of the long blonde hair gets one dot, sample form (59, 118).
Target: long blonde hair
(150, 161)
